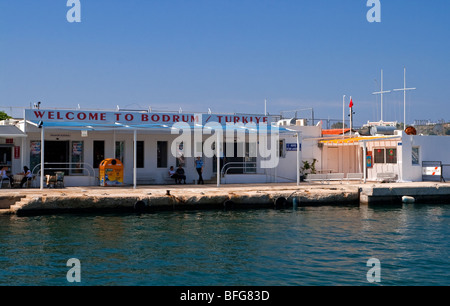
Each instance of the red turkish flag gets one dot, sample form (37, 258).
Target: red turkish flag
(351, 103)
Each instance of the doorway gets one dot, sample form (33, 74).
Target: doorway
(5, 157)
(58, 154)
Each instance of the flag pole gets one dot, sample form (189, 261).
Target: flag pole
(351, 115)
(343, 116)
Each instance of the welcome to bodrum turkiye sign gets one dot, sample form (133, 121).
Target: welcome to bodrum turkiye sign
(138, 118)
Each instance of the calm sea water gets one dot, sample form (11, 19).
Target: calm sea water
(305, 246)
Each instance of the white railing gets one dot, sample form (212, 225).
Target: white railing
(244, 166)
(78, 167)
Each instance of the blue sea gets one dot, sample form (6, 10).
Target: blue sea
(305, 246)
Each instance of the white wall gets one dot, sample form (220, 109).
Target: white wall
(431, 148)
(287, 167)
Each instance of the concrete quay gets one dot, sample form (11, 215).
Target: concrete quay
(194, 197)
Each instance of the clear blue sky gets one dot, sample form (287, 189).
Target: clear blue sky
(227, 55)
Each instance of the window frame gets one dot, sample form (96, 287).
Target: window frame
(381, 154)
(388, 157)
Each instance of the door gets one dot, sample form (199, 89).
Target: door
(57, 153)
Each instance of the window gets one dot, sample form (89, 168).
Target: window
(378, 156)
(281, 148)
(180, 155)
(99, 152)
(77, 157)
(415, 156)
(140, 154)
(391, 156)
(162, 154)
(35, 154)
(120, 149)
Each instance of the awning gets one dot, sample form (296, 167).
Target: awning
(334, 132)
(75, 126)
(11, 131)
(358, 139)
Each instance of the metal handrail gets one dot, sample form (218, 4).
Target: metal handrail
(86, 166)
(224, 171)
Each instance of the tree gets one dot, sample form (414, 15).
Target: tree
(4, 116)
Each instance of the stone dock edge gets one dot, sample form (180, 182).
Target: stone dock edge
(175, 198)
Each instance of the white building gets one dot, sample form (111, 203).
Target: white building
(399, 157)
(76, 141)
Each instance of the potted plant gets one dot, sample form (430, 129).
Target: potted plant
(307, 168)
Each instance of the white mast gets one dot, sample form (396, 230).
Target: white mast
(343, 116)
(381, 93)
(404, 89)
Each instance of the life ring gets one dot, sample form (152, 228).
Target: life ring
(280, 202)
(139, 206)
(228, 204)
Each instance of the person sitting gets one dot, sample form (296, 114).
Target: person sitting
(173, 174)
(27, 175)
(180, 174)
(5, 176)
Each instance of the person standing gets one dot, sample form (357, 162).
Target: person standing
(199, 168)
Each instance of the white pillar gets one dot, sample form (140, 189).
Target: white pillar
(114, 144)
(218, 159)
(135, 159)
(365, 161)
(298, 159)
(42, 158)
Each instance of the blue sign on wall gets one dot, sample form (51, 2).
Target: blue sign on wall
(292, 147)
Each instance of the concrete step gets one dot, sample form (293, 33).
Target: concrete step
(5, 212)
(19, 204)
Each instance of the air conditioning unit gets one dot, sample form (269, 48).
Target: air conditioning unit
(301, 122)
(286, 122)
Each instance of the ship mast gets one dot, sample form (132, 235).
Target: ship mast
(381, 94)
(404, 89)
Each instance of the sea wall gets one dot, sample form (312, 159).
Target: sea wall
(166, 200)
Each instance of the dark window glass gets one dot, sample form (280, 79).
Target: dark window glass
(415, 156)
(162, 154)
(140, 154)
(99, 152)
(378, 156)
(391, 156)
